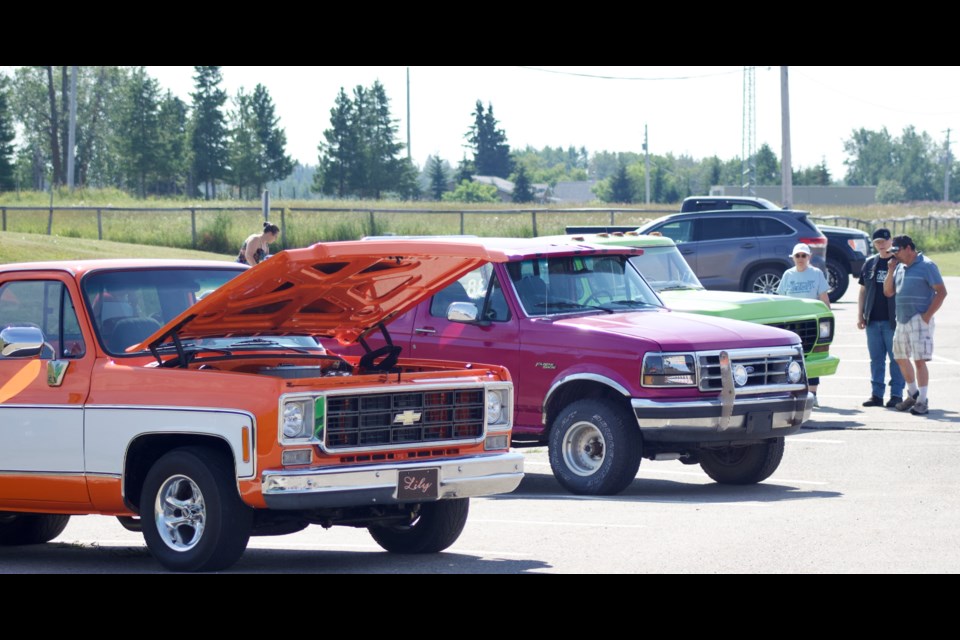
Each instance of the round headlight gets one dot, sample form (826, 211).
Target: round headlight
(293, 420)
(794, 371)
(740, 375)
(494, 407)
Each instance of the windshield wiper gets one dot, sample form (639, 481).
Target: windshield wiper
(679, 286)
(566, 304)
(634, 303)
(263, 342)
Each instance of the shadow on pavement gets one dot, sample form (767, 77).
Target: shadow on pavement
(65, 557)
(543, 486)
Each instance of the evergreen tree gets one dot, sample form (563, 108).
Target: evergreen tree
(621, 189)
(7, 181)
(465, 171)
(361, 154)
(338, 154)
(244, 149)
(378, 131)
(174, 162)
(491, 153)
(209, 131)
(275, 164)
(522, 189)
(768, 167)
(438, 177)
(138, 138)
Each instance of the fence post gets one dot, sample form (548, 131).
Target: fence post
(533, 218)
(462, 228)
(50, 222)
(373, 229)
(193, 228)
(283, 226)
(611, 217)
(99, 226)
(4, 218)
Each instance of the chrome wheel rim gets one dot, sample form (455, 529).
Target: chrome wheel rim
(583, 449)
(180, 513)
(766, 283)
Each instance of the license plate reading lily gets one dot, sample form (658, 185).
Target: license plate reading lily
(417, 484)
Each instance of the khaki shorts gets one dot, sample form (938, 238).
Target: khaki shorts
(913, 340)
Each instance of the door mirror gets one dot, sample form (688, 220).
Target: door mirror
(21, 342)
(462, 312)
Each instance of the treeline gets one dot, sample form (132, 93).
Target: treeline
(130, 134)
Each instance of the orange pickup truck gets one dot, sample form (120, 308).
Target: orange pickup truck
(193, 401)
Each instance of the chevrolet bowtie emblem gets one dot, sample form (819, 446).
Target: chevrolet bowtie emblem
(407, 417)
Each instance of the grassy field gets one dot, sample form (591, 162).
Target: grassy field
(172, 227)
(28, 247)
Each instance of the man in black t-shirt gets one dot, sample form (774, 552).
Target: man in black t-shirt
(877, 314)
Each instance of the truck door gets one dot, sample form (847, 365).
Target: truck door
(493, 339)
(42, 396)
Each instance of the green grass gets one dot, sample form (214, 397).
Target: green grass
(949, 263)
(27, 247)
(219, 227)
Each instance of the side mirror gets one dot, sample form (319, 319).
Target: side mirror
(462, 312)
(21, 342)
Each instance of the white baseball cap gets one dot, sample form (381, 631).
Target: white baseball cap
(800, 247)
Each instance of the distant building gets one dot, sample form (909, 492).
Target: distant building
(852, 196)
(505, 188)
(573, 191)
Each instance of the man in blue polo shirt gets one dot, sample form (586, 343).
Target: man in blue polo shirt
(920, 292)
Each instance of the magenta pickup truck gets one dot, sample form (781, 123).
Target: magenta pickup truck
(605, 375)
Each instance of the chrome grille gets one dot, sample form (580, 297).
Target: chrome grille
(765, 367)
(805, 329)
(393, 419)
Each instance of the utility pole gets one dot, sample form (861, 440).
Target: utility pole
(72, 130)
(786, 170)
(748, 178)
(408, 113)
(646, 165)
(946, 171)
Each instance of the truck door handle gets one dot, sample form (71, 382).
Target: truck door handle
(747, 245)
(424, 330)
(686, 252)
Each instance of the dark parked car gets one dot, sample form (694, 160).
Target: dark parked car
(846, 248)
(743, 249)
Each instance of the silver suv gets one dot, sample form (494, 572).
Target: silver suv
(741, 249)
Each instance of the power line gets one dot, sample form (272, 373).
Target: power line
(641, 78)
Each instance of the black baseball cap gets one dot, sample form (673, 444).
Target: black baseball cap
(882, 233)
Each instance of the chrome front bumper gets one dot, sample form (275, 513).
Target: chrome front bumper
(377, 484)
(706, 420)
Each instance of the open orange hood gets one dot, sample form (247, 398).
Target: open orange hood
(334, 290)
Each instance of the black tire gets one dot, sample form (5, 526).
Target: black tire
(763, 280)
(838, 278)
(595, 448)
(30, 528)
(743, 465)
(196, 485)
(437, 526)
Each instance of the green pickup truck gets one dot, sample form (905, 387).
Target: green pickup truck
(676, 284)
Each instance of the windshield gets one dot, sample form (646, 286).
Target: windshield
(665, 269)
(574, 284)
(126, 306)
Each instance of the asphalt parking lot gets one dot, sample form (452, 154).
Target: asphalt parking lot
(860, 490)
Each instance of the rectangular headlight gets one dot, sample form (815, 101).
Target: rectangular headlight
(826, 329)
(296, 419)
(669, 370)
(499, 408)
